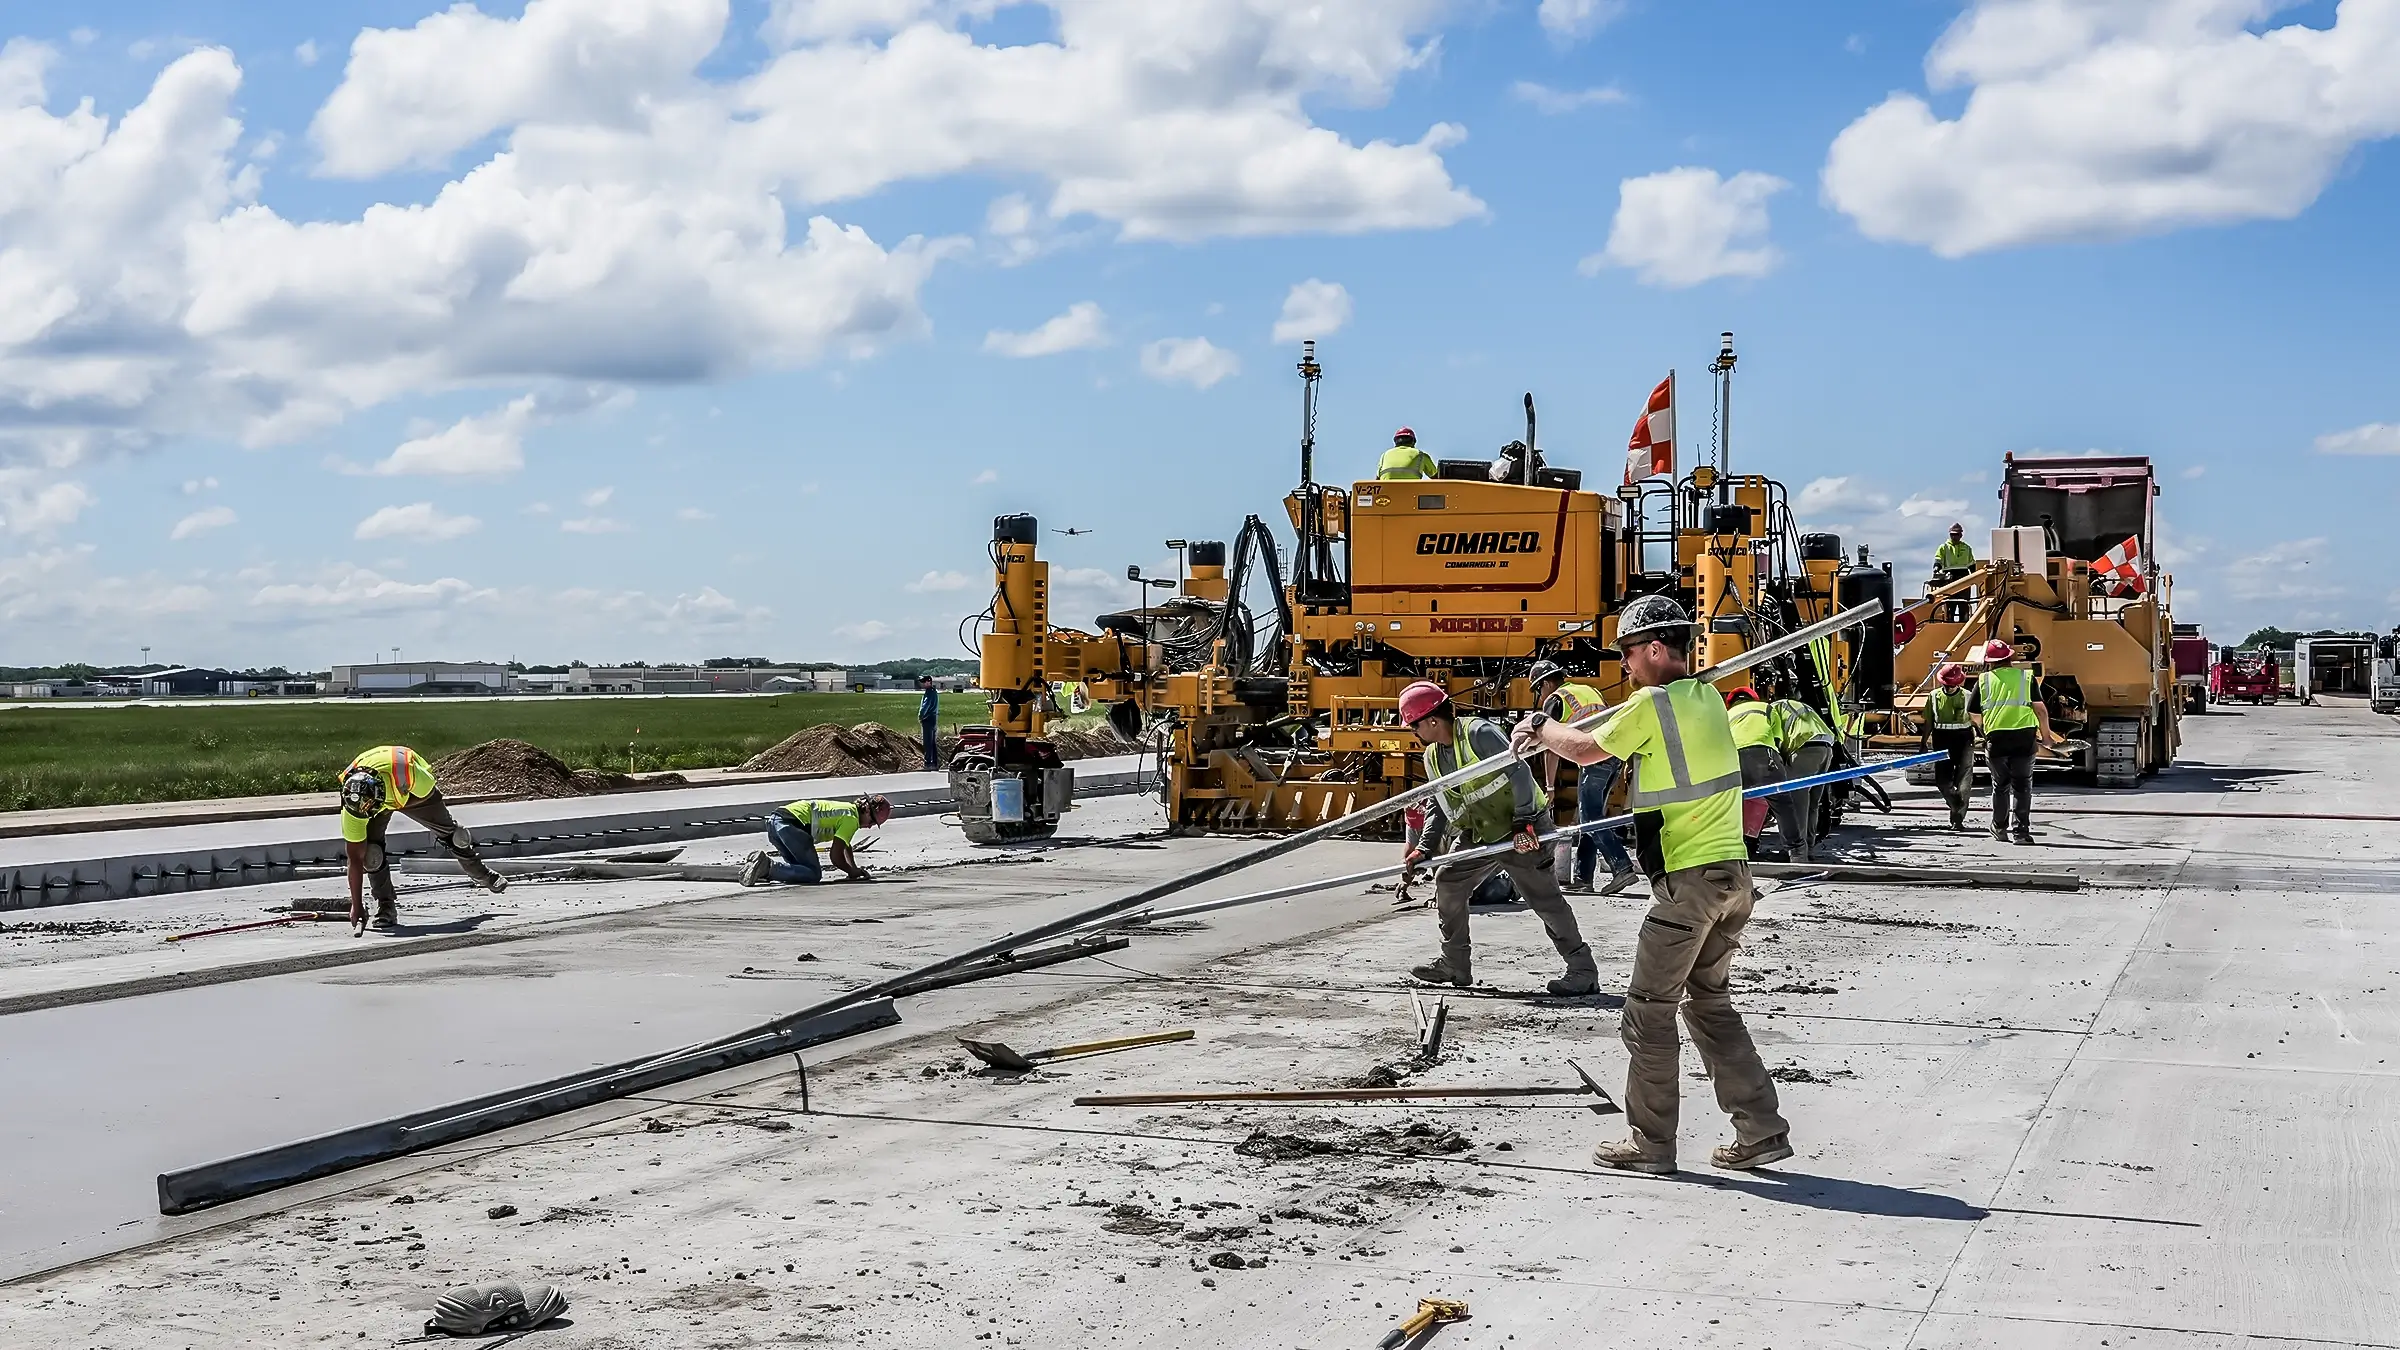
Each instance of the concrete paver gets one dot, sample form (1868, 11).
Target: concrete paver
(2149, 1113)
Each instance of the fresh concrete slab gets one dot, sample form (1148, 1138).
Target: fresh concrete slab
(2147, 1113)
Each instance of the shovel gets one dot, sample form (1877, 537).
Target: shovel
(1000, 1056)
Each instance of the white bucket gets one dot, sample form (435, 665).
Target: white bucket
(1008, 799)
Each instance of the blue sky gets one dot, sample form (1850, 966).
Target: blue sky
(614, 329)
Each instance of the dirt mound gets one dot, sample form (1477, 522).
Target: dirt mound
(1091, 744)
(513, 768)
(869, 747)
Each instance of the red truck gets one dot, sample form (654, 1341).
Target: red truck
(2192, 662)
(2254, 677)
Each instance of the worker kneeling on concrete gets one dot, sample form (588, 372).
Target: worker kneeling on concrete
(796, 829)
(1501, 807)
(1807, 745)
(379, 782)
(1687, 802)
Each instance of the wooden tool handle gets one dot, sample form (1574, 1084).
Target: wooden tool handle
(1120, 1043)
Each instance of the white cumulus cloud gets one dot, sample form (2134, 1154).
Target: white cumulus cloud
(2375, 438)
(479, 444)
(202, 521)
(987, 476)
(1556, 102)
(593, 525)
(31, 502)
(1194, 361)
(359, 590)
(2104, 119)
(1313, 309)
(1081, 327)
(872, 630)
(1686, 226)
(1575, 20)
(417, 520)
(934, 583)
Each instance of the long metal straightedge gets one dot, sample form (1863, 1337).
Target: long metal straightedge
(314, 1158)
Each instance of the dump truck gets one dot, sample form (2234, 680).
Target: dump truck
(2073, 584)
(1271, 693)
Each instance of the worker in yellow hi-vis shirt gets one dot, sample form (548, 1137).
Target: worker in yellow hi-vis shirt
(379, 782)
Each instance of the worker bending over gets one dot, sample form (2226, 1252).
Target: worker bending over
(1500, 807)
(1405, 460)
(2007, 708)
(1949, 731)
(379, 782)
(797, 828)
(1687, 792)
(1807, 745)
(1571, 702)
(1758, 741)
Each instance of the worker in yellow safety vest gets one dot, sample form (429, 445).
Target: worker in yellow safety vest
(1405, 460)
(1498, 808)
(379, 782)
(1948, 730)
(2007, 707)
(1954, 559)
(1758, 739)
(796, 828)
(1807, 744)
(1571, 702)
(1687, 794)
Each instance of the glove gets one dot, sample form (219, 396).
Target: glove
(1526, 840)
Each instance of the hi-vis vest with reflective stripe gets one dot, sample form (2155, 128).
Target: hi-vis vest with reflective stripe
(826, 820)
(1755, 724)
(405, 774)
(1948, 708)
(1484, 809)
(1687, 768)
(1801, 725)
(1406, 461)
(2007, 696)
(1577, 702)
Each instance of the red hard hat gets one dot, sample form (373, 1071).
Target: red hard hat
(1419, 700)
(1744, 691)
(1952, 675)
(1405, 434)
(1998, 649)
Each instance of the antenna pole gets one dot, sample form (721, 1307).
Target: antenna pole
(1722, 368)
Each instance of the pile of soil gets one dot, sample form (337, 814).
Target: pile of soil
(513, 768)
(869, 747)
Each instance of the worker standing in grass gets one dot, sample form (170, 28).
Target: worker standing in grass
(797, 828)
(1949, 731)
(1758, 740)
(1405, 460)
(929, 716)
(1503, 807)
(1687, 795)
(379, 782)
(2007, 707)
(1807, 747)
(1572, 702)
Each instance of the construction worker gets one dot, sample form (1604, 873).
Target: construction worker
(1948, 730)
(929, 715)
(2007, 708)
(796, 828)
(1501, 807)
(1572, 702)
(1954, 559)
(1807, 747)
(1758, 739)
(1405, 460)
(1687, 791)
(379, 782)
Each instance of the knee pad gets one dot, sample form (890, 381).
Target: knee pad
(375, 858)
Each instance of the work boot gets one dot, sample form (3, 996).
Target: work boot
(1621, 883)
(1741, 1157)
(1578, 886)
(385, 921)
(1581, 979)
(2021, 837)
(1626, 1155)
(494, 882)
(1958, 817)
(1442, 970)
(754, 870)
(1999, 834)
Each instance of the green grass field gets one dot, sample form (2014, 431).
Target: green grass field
(53, 756)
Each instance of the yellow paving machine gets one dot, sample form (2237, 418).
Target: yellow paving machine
(1271, 698)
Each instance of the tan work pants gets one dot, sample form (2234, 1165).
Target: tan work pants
(1537, 886)
(1685, 956)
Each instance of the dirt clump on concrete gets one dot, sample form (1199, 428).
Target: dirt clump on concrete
(1417, 1139)
(514, 768)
